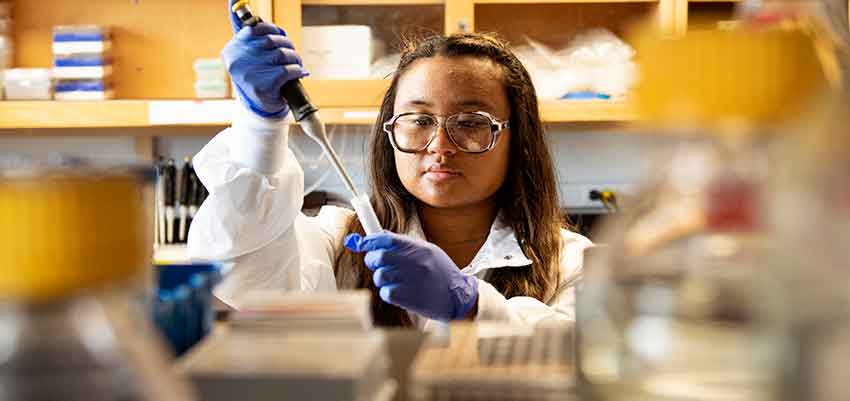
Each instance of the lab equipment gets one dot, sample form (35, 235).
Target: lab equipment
(82, 62)
(810, 216)
(28, 84)
(211, 89)
(183, 201)
(183, 306)
(209, 69)
(294, 365)
(810, 213)
(192, 195)
(258, 80)
(416, 275)
(337, 51)
(159, 201)
(272, 310)
(489, 361)
(677, 308)
(210, 79)
(89, 89)
(169, 178)
(69, 40)
(75, 253)
(305, 113)
(96, 66)
(179, 193)
(294, 346)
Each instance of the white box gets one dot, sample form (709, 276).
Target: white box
(28, 84)
(207, 69)
(211, 89)
(337, 51)
(84, 95)
(82, 47)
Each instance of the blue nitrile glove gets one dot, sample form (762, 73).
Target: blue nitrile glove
(416, 275)
(260, 59)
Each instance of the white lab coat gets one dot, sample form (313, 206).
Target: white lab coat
(252, 220)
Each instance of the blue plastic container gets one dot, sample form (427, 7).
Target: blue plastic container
(183, 308)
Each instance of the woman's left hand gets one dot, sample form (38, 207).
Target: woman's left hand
(416, 275)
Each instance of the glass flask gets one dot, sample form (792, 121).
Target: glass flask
(75, 249)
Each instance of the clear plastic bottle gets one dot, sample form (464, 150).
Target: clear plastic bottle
(74, 256)
(674, 310)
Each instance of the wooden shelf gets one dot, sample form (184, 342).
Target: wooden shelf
(518, 21)
(370, 2)
(54, 114)
(564, 1)
(586, 111)
(346, 93)
(217, 113)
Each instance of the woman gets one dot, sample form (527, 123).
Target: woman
(461, 178)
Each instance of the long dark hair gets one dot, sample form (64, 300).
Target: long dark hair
(528, 198)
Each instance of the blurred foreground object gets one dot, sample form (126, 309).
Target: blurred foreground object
(496, 362)
(678, 307)
(183, 306)
(294, 347)
(810, 216)
(74, 253)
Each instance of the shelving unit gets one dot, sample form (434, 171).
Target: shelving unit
(144, 113)
(369, 2)
(157, 40)
(710, 12)
(560, 1)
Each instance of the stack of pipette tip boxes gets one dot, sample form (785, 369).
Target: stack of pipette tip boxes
(210, 79)
(82, 62)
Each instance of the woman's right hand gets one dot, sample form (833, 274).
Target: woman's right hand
(260, 59)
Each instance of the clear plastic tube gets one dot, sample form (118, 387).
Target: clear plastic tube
(366, 214)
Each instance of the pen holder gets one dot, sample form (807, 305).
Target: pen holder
(183, 306)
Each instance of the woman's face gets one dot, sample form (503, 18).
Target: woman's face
(441, 175)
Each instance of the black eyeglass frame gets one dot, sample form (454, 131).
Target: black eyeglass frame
(496, 128)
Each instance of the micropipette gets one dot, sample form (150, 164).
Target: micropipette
(306, 114)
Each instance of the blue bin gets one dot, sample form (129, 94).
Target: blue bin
(183, 308)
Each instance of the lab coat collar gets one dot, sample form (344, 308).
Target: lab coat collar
(501, 249)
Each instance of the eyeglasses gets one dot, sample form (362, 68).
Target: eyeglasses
(474, 132)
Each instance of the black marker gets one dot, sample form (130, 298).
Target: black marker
(184, 200)
(193, 197)
(160, 202)
(169, 178)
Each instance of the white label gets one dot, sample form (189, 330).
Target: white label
(191, 112)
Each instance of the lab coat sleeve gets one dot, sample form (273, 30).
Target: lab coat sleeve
(255, 195)
(492, 305)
